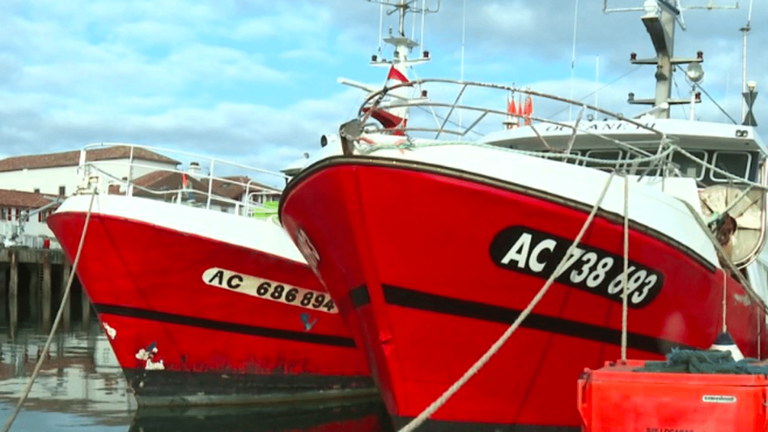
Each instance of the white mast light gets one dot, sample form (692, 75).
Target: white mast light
(651, 7)
(695, 72)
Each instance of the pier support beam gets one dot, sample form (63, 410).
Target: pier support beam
(34, 293)
(46, 297)
(86, 302)
(67, 316)
(3, 294)
(13, 293)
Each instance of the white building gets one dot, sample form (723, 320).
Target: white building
(23, 216)
(33, 182)
(57, 173)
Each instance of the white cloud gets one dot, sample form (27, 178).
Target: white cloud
(255, 79)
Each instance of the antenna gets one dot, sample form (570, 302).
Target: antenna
(573, 55)
(673, 7)
(659, 20)
(403, 7)
(745, 30)
(597, 83)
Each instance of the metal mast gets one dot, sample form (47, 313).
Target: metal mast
(659, 20)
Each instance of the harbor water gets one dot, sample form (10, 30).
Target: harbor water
(81, 388)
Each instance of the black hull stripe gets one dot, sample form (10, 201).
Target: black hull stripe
(360, 296)
(224, 326)
(413, 299)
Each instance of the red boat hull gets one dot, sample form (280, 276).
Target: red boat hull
(430, 266)
(159, 297)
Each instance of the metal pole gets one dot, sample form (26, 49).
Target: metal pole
(210, 185)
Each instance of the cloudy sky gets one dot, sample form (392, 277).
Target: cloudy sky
(255, 80)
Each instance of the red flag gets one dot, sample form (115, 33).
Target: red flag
(528, 109)
(397, 75)
(511, 109)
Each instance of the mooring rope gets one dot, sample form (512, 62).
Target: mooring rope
(421, 418)
(64, 299)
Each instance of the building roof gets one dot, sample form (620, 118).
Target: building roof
(229, 187)
(14, 198)
(72, 158)
(234, 186)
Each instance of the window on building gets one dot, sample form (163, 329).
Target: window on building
(36, 190)
(18, 213)
(62, 190)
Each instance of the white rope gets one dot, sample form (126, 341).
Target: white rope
(624, 276)
(421, 418)
(725, 298)
(64, 299)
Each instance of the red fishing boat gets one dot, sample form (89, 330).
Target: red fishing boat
(202, 300)
(432, 249)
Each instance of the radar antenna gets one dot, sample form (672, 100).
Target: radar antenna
(659, 20)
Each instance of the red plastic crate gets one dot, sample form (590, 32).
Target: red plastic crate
(615, 398)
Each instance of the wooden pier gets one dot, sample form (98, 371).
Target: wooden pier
(32, 283)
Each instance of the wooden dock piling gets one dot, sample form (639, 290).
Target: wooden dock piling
(13, 292)
(46, 290)
(67, 316)
(3, 293)
(37, 270)
(34, 293)
(86, 308)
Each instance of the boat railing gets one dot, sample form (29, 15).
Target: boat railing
(502, 117)
(157, 173)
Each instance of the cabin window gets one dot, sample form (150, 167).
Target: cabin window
(613, 156)
(732, 162)
(558, 156)
(641, 168)
(575, 161)
(688, 167)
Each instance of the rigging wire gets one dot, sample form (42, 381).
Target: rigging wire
(698, 86)
(599, 89)
(679, 95)
(381, 24)
(423, 14)
(573, 54)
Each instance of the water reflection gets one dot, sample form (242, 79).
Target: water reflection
(357, 416)
(81, 386)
